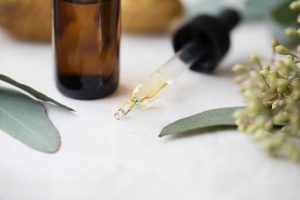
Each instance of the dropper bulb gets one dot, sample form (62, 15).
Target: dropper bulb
(212, 34)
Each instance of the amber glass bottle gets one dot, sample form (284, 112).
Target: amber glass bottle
(86, 42)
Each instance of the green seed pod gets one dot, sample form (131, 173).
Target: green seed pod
(295, 5)
(290, 58)
(281, 117)
(241, 128)
(268, 126)
(284, 68)
(260, 135)
(255, 59)
(260, 122)
(240, 68)
(295, 82)
(292, 32)
(282, 85)
(249, 94)
(239, 114)
(279, 64)
(265, 70)
(254, 108)
(286, 129)
(239, 79)
(275, 105)
(272, 77)
(293, 131)
(252, 128)
(281, 103)
(294, 120)
(274, 43)
(270, 148)
(282, 50)
(278, 139)
(298, 133)
(269, 96)
(254, 75)
(274, 143)
(296, 94)
(289, 100)
(267, 67)
(290, 62)
(238, 121)
(292, 152)
(248, 85)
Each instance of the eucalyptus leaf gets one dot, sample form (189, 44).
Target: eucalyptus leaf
(26, 120)
(32, 91)
(222, 117)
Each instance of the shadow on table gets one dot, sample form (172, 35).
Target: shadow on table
(225, 72)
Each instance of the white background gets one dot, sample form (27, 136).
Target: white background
(105, 159)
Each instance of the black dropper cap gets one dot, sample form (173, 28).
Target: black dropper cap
(211, 34)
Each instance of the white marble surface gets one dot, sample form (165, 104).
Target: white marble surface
(104, 159)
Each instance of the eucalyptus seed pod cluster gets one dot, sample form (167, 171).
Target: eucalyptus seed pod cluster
(272, 95)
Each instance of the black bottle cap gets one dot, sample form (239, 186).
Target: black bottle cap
(211, 33)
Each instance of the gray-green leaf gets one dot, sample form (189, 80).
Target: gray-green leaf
(26, 120)
(32, 91)
(222, 117)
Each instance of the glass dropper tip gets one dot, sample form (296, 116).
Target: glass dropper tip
(124, 110)
(119, 115)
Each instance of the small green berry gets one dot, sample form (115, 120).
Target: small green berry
(295, 5)
(291, 32)
(292, 152)
(240, 68)
(275, 43)
(282, 50)
(255, 59)
(282, 85)
(295, 82)
(260, 135)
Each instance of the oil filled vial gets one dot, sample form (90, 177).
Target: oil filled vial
(86, 45)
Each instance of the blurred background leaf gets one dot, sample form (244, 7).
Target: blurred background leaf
(143, 16)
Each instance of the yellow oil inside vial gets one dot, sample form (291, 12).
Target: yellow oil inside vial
(143, 94)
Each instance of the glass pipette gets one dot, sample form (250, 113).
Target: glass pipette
(145, 93)
(200, 44)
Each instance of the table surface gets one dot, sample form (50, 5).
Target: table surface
(102, 158)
